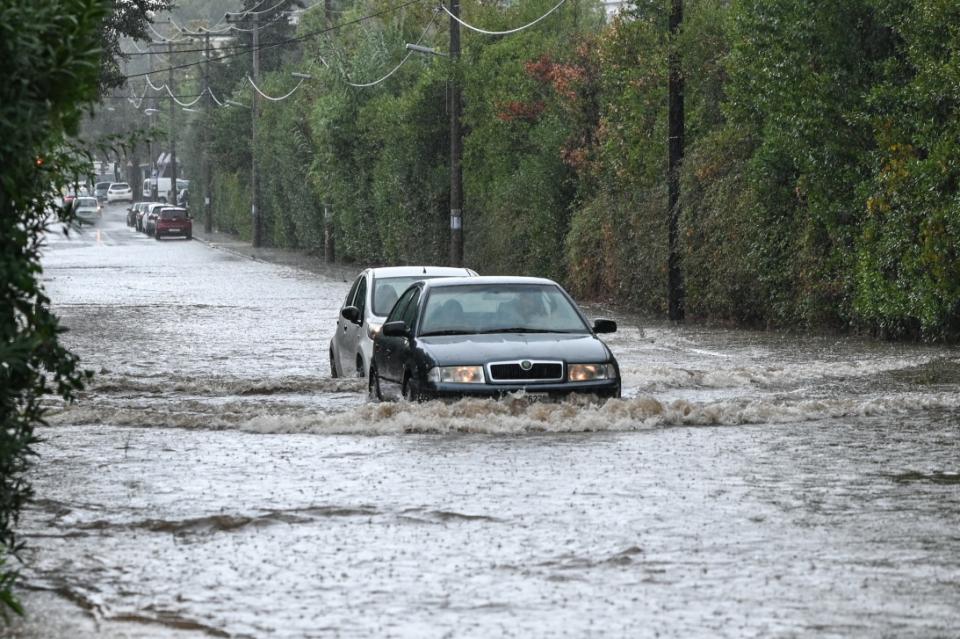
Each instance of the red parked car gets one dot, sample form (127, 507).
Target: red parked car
(173, 221)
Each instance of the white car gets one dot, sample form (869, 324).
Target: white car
(87, 210)
(368, 303)
(119, 191)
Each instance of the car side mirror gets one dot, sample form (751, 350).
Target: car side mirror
(351, 313)
(604, 326)
(398, 328)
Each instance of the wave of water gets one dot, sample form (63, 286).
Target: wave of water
(513, 415)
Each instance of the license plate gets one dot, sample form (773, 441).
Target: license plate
(174, 230)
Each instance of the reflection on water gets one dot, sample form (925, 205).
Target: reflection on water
(214, 480)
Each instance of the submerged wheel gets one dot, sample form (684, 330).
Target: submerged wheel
(333, 366)
(373, 386)
(411, 390)
(360, 372)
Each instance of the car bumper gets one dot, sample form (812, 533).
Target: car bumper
(601, 388)
(180, 231)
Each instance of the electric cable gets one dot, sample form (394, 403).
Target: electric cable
(363, 85)
(272, 99)
(500, 33)
(278, 43)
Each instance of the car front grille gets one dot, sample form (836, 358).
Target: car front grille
(537, 372)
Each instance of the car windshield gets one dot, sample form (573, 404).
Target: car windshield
(172, 214)
(499, 308)
(386, 290)
(86, 202)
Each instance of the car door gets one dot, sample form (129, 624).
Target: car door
(347, 331)
(397, 349)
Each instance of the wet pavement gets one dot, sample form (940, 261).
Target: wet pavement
(215, 481)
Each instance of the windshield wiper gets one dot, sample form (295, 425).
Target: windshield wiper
(447, 332)
(523, 330)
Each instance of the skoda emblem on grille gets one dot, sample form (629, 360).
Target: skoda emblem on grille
(526, 364)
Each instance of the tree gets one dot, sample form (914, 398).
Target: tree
(48, 80)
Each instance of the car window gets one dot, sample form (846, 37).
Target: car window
(401, 305)
(410, 312)
(353, 291)
(360, 299)
(492, 308)
(172, 214)
(120, 186)
(87, 202)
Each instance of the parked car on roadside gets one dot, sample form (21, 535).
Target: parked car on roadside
(134, 212)
(489, 336)
(148, 222)
(173, 221)
(119, 192)
(367, 304)
(86, 209)
(100, 191)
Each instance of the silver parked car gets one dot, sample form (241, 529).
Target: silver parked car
(149, 222)
(368, 303)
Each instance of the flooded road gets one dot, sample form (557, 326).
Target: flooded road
(215, 481)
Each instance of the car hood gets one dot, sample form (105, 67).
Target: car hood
(469, 349)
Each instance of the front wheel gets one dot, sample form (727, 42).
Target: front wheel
(333, 366)
(412, 392)
(156, 236)
(373, 386)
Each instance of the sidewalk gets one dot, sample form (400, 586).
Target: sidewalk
(297, 258)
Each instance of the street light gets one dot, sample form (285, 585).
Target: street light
(422, 49)
(305, 76)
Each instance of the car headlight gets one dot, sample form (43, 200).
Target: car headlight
(373, 330)
(457, 375)
(590, 372)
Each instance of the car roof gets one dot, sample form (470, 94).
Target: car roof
(173, 208)
(411, 271)
(120, 184)
(488, 279)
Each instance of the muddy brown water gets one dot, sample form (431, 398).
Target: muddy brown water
(214, 481)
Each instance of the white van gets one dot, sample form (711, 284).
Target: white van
(163, 188)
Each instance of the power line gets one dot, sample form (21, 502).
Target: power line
(272, 99)
(507, 32)
(279, 43)
(364, 85)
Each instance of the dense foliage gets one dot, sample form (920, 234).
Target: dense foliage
(820, 182)
(51, 55)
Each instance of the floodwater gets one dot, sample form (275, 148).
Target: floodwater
(214, 481)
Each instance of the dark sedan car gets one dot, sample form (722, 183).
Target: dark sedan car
(490, 336)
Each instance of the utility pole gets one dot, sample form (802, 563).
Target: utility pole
(329, 247)
(254, 181)
(204, 141)
(456, 143)
(254, 178)
(152, 109)
(173, 126)
(675, 292)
